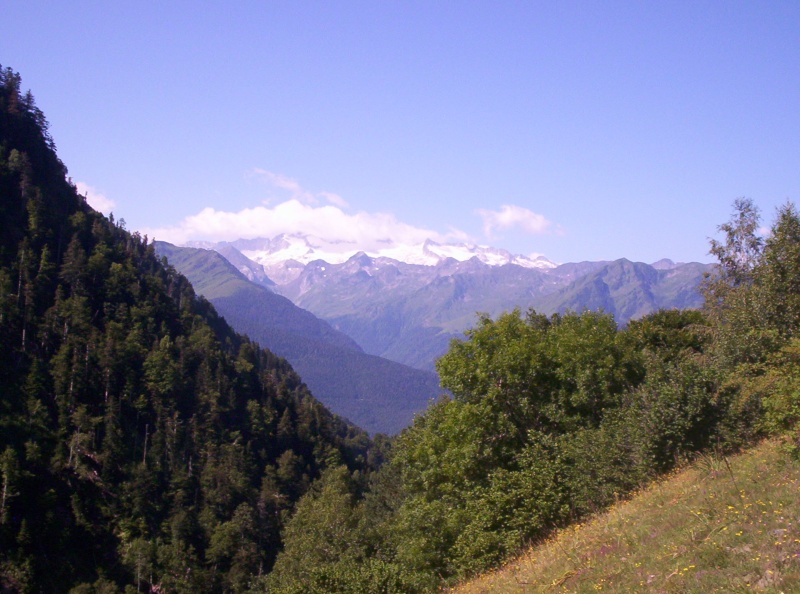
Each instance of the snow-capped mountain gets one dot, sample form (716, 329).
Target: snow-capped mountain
(432, 253)
(284, 257)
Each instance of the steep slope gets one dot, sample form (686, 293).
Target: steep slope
(377, 394)
(719, 526)
(253, 271)
(143, 444)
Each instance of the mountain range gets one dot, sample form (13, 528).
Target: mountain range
(408, 308)
(282, 258)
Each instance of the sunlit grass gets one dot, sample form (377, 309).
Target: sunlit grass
(722, 525)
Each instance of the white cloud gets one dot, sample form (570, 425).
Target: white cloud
(322, 215)
(513, 216)
(303, 212)
(282, 181)
(368, 231)
(96, 199)
(334, 199)
(296, 191)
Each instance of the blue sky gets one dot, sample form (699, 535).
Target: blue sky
(577, 130)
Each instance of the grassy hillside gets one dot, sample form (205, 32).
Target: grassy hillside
(217, 279)
(722, 525)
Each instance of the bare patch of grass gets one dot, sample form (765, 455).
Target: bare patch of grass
(722, 525)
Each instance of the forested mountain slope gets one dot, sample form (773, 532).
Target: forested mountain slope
(142, 442)
(377, 394)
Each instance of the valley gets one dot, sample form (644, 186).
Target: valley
(377, 394)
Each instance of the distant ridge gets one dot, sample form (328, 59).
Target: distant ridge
(630, 290)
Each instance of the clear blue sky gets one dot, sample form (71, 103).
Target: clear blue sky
(579, 130)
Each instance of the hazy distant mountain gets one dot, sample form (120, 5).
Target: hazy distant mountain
(407, 308)
(630, 290)
(377, 394)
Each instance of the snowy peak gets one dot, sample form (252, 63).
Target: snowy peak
(283, 258)
(297, 247)
(432, 253)
(302, 249)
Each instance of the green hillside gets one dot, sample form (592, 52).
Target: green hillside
(556, 418)
(722, 525)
